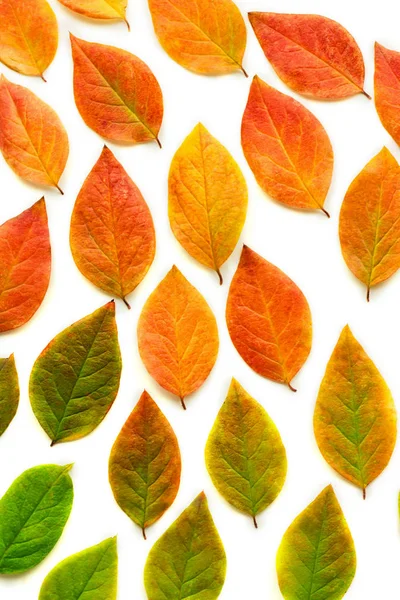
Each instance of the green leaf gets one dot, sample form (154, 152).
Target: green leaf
(9, 392)
(75, 380)
(88, 575)
(188, 561)
(317, 559)
(245, 456)
(33, 513)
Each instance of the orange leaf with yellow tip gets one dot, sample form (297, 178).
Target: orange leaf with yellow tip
(177, 336)
(369, 226)
(116, 93)
(387, 89)
(105, 10)
(207, 199)
(313, 55)
(287, 148)
(268, 319)
(355, 420)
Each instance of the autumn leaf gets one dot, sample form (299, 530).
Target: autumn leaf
(177, 336)
(105, 10)
(112, 233)
(268, 319)
(317, 558)
(313, 55)
(91, 574)
(355, 416)
(25, 263)
(145, 464)
(189, 559)
(245, 457)
(287, 148)
(207, 199)
(33, 514)
(204, 36)
(28, 35)
(9, 392)
(75, 379)
(116, 93)
(387, 89)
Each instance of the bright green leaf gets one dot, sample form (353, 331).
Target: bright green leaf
(9, 392)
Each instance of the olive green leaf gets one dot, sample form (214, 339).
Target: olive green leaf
(9, 392)
(88, 575)
(188, 561)
(75, 380)
(33, 513)
(317, 559)
(245, 456)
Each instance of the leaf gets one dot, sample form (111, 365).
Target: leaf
(33, 514)
(116, 93)
(268, 319)
(145, 464)
(25, 263)
(88, 575)
(317, 558)
(313, 55)
(28, 35)
(207, 199)
(287, 148)
(387, 89)
(369, 227)
(204, 36)
(245, 457)
(33, 140)
(9, 392)
(75, 379)
(112, 233)
(189, 558)
(106, 10)
(355, 416)
(177, 336)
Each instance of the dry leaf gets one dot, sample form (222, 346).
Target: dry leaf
(9, 392)
(105, 10)
(387, 89)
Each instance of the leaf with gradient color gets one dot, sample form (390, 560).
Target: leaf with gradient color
(204, 36)
(33, 140)
(33, 514)
(387, 89)
(145, 464)
(268, 319)
(317, 557)
(112, 233)
(245, 457)
(88, 575)
(28, 35)
(9, 392)
(177, 336)
(25, 264)
(116, 93)
(313, 55)
(189, 559)
(75, 379)
(207, 199)
(369, 226)
(355, 422)
(287, 148)
(105, 10)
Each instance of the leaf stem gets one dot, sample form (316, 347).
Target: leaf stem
(144, 533)
(218, 272)
(182, 402)
(365, 94)
(244, 71)
(158, 141)
(59, 189)
(125, 301)
(42, 77)
(291, 387)
(127, 24)
(325, 212)
(255, 522)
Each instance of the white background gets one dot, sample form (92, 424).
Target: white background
(305, 245)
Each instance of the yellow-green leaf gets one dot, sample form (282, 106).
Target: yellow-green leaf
(9, 392)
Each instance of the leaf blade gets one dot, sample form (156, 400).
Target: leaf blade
(9, 392)
(387, 89)
(98, 9)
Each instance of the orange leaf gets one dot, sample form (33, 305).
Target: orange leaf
(32, 138)
(313, 55)
(204, 36)
(177, 336)
(286, 147)
(116, 93)
(28, 35)
(369, 226)
(112, 234)
(387, 89)
(25, 262)
(268, 319)
(106, 10)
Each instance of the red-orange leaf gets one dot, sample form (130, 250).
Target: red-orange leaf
(387, 89)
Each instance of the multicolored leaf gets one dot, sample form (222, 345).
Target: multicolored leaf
(387, 89)
(355, 420)
(207, 199)
(75, 379)
(9, 392)
(25, 263)
(105, 10)
(189, 559)
(287, 148)
(268, 319)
